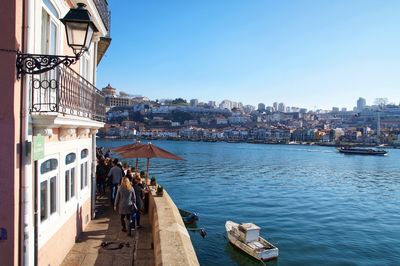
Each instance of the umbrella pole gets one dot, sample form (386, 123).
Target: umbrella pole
(147, 170)
(136, 168)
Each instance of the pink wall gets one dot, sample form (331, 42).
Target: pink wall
(10, 21)
(64, 239)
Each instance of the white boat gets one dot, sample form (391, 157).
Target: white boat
(247, 237)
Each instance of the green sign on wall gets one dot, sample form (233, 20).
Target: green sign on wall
(38, 147)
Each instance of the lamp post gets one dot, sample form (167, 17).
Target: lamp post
(79, 28)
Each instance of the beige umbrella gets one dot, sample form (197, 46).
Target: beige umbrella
(125, 148)
(147, 151)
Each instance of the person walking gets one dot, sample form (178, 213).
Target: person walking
(101, 175)
(125, 205)
(139, 199)
(115, 176)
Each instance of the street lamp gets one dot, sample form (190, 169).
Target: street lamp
(79, 28)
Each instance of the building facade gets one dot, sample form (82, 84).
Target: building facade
(48, 123)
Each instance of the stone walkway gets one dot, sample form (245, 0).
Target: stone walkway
(137, 250)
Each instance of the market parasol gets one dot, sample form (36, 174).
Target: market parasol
(125, 148)
(147, 151)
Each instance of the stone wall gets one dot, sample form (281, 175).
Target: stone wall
(172, 244)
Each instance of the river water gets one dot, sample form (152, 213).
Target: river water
(319, 207)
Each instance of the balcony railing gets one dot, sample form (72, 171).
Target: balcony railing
(64, 91)
(105, 14)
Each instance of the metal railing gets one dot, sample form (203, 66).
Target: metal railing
(63, 90)
(105, 14)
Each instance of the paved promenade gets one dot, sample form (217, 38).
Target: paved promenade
(136, 250)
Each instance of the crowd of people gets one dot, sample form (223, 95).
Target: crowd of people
(127, 191)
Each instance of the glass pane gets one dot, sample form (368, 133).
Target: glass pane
(67, 185)
(51, 7)
(86, 174)
(76, 33)
(89, 36)
(53, 38)
(70, 158)
(43, 201)
(84, 153)
(72, 182)
(53, 195)
(45, 32)
(48, 166)
(82, 176)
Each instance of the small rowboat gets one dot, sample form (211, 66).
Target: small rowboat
(247, 238)
(189, 217)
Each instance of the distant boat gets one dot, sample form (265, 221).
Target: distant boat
(360, 151)
(189, 217)
(247, 238)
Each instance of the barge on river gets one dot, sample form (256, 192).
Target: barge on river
(360, 151)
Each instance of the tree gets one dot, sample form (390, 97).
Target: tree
(381, 102)
(179, 101)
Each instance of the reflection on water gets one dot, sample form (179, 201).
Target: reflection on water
(318, 206)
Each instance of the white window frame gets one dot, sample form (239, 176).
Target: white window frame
(47, 177)
(50, 44)
(84, 168)
(69, 169)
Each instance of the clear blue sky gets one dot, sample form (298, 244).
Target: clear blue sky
(304, 53)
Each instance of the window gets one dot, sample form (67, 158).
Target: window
(84, 175)
(53, 195)
(70, 176)
(84, 168)
(43, 201)
(70, 158)
(48, 188)
(48, 166)
(67, 186)
(49, 45)
(84, 153)
(72, 182)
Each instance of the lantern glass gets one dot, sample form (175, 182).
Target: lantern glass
(79, 28)
(76, 35)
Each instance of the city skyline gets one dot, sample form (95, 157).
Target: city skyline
(356, 104)
(304, 54)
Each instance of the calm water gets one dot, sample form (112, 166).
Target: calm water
(318, 206)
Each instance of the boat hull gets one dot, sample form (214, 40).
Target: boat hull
(362, 151)
(260, 250)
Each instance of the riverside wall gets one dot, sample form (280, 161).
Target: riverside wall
(172, 243)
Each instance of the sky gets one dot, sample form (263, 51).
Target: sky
(305, 53)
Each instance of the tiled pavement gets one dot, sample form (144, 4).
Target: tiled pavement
(137, 250)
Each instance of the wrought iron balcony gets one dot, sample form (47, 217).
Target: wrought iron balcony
(64, 91)
(105, 14)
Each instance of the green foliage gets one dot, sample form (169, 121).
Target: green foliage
(179, 101)
(180, 116)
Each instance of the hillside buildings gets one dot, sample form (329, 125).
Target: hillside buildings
(245, 123)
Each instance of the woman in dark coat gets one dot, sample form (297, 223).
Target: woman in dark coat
(125, 204)
(139, 198)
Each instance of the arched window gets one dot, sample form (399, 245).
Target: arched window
(84, 153)
(48, 166)
(84, 168)
(70, 158)
(70, 176)
(48, 188)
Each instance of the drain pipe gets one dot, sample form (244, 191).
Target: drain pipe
(27, 230)
(21, 210)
